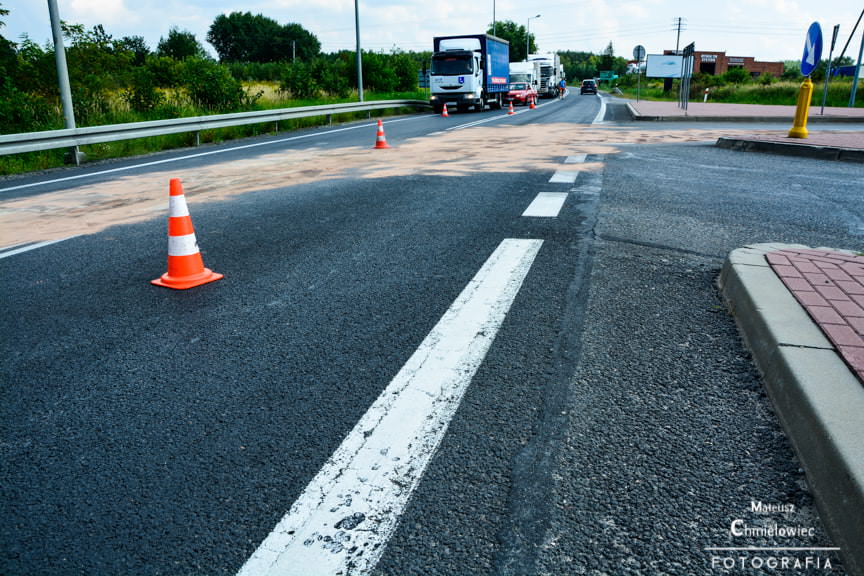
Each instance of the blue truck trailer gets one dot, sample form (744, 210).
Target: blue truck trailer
(469, 72)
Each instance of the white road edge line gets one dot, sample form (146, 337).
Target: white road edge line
(546, 205)
(343, 519)
(198, 155)
(33, 246)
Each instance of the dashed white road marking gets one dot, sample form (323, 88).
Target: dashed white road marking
(546, 205)
(564, 177)
(345, 516)
(576, 159)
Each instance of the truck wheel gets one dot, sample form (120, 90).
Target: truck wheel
(438, 109)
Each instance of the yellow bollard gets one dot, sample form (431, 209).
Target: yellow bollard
(799, 128)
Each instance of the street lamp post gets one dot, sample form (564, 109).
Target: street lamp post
(359, 53)
(528, 35)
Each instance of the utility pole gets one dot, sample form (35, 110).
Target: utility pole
(359, 57)
(678, 38)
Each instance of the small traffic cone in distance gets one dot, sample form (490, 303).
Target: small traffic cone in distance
(185, 266)
(511, 112)
(533, 106)
(380, 140)
(444, 112)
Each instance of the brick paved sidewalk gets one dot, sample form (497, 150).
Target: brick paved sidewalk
(830, 286)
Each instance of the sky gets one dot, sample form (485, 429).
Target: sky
(769, 30)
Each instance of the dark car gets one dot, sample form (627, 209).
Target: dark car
(588, 87)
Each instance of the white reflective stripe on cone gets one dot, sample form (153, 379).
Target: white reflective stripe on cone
(177, 206)
(182, 245)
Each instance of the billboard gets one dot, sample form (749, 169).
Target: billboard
(663, 66)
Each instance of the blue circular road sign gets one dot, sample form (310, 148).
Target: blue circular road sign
(812, 49)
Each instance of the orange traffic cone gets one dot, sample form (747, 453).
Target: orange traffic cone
(533, 106)
(444, 112)
(511, 112)
(380, 141)
(185, 266)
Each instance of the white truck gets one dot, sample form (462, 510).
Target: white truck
(551, 73)
(469, 72)
(528, 72)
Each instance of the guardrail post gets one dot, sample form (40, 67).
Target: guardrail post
(197, 138)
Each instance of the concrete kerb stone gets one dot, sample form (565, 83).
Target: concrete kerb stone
(819, 401)
(803, 149)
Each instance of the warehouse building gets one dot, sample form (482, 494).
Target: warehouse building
(717, 63)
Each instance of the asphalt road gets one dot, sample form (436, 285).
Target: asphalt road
(616, 425)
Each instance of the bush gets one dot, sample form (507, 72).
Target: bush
(143, 95)
(299, 82)
(210, 86)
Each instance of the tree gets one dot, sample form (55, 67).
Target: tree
(180, 45)
(242, 37)
(607, 58)
(515, 35)
(135, 45)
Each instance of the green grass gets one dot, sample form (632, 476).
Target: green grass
(33, 161)
(776, 93)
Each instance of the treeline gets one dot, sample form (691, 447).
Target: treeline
(122, 80)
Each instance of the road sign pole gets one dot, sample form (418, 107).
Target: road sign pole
(828, 73)
(809, 61)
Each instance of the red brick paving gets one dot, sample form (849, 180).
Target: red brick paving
(830, 286)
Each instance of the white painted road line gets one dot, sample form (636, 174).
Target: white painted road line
(602, 113)
(343, 519)
(33, 247)
(564, 177)
(200, 155)
(546, 205)
(576, 159)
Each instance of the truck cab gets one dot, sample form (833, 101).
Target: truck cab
(467, 72)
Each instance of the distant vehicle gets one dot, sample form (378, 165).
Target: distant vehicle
(588, 87)
(521, 93)
(551, 73)
(469, 72)
(525, 72)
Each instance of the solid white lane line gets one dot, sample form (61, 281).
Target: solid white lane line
(546, 205)
(346, 515)
(576, 159)
(33, 247)
(564, 177)
(602, 113)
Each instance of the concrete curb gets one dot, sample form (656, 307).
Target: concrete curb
(790, 149)
(819, 401)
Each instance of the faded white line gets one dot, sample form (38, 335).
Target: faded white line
(345, 516)
(576, 159)
(564, 177)
(33, 246)
(546, 205)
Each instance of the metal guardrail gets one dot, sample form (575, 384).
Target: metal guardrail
(68, 138)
